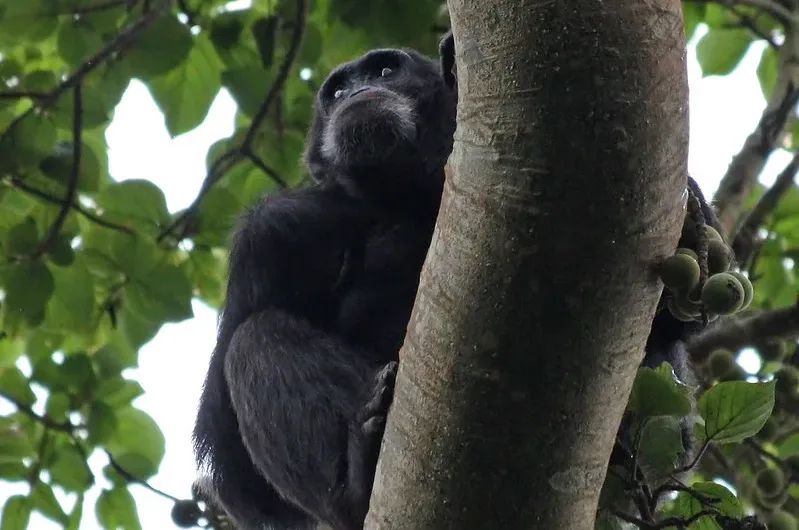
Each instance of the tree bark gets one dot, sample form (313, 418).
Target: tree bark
(566, 188)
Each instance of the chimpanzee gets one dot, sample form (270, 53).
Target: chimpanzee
(321, 284)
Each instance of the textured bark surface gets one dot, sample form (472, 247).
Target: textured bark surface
(566, 187)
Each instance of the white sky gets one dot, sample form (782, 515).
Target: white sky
(723, 110)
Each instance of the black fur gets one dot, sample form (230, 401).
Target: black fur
(321, 284)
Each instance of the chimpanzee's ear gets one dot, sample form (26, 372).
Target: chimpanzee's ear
(446, 52)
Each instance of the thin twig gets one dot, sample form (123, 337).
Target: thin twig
(130, 477)
(17, 183)
(44, 420)
(736, 333)
(744, 239)
(751, 24)
(125, 37)
(229, 159)
(74, 176)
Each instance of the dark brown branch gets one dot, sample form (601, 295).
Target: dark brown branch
(260, 164)
(736, 333)
(229, 159)
(74, 176)
(122, 40)
(750, 23)
(18, 183)
(130, 477)
(745, 167)
(17, 94)
(44, 420)
(745, 239)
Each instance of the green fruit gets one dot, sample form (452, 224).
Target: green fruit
(687, 252)
(680, 272)
(781, 520)
(721, 363)
(749, 291)
(774, 502)
(712, 234)
(718, 256)
(722, 294)
(687, 305)
(772, 350)
(676, 312)
(770, 481)
(769, 431)
(186, 514)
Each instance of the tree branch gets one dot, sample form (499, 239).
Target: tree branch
(736, 333)
(745, 167)
(18, 183)
(74, 177)
(229, 159)
(744, 241)
(44, 420)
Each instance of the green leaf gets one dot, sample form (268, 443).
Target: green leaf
(15, 445)
(162, 47)
(30, 286)
(186, 93)
(96, 108)
(44, 501)
(137, 434)
(767, 71)
(40, 81)
(61, 252)
(790, 446)
(72, 305)
(263, 30)
(226, 29)
(248, 85)
(661, 444)
(23, 237)
(135, 202)
(164, 295)
(312, 45)
(722, 499)
(216, 215)
(102, 423)
(70, 470)
(76, 514)
(57, 406)
(33, 137)
(58, 166)
(16, 513)
(693, 13)
(76, 42)
(720, 50)
(657, 393)
(27, 22)
(15, 385)
(14, 472)
(116, 510)
(736, 410)
(118, 392)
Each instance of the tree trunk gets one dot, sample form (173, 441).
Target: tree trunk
(566, 188)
